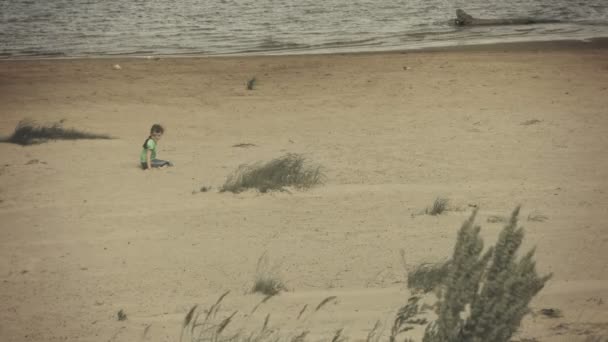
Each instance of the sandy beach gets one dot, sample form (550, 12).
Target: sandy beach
(86, 233)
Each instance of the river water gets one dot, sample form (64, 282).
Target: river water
(211, 27)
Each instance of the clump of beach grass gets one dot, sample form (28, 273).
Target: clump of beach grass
(439, 206)
(28, 132)
(427, 276)
(485, 295)
(289, 170)
(267, 280)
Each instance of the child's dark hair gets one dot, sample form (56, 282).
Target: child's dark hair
(156, 128)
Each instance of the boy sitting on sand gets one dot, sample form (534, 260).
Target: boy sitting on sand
(148, 154)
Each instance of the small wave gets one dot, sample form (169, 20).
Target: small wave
(270, 44)
(41, 52)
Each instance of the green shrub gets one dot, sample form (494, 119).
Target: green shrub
(485, 296)
(288, 170)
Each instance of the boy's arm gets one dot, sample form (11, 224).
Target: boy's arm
(149, 159)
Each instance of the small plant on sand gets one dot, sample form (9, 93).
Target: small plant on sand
(28, 133)
(288, 170)
(497, 219)
(266, 279)
(439, 206)
(251, 83)
(428, 276)
(485, 296)
(536, 216)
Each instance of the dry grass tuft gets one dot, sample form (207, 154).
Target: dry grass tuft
(28, 132)
(537, 217)
(497, 219)
(244, 145)
(300, 337)
(376, 333)
(439, 206)
(261, 302)
(288, 170)
(325, 301)
(302, 311)
(551, 313)
(530, 122)
(338, 336)
(267, 281)
(427, 276)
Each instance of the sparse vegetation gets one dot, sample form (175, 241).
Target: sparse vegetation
(404, 319)
(302, 311)
(203, 326)
(596, 338)
(481, 296)
(267, 280)
(121, 315)
(496, 219)
(251, 83)
(245, 145)
(439, 206)
(537, 217)
(530, 122)
(325, 301)
(29, 133)
(551, 312)
(262, 302)
(288, 170)
(428, 276)
(338, 337)
(485, 297)
(375, 334)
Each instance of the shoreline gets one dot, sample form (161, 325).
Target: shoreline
(514, 46)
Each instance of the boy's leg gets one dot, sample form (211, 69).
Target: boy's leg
(160, 163)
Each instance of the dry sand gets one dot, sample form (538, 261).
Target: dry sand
(85, 233)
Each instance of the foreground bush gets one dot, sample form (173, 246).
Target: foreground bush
(29, 133)
(481, 302)
(288, 170)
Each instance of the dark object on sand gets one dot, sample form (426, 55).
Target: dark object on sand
(551, 312)
(121, 315)
(29, 133)
(251, 83)
(465, 19)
